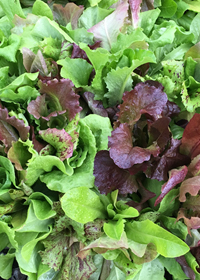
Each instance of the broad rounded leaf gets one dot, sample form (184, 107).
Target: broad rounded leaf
(109, 177)
(82, 205)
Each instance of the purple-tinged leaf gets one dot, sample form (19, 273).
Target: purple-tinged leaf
(186, 268)
(74, 267)
(108, 29)
(191, 223)
(8, 127)
(171, 158)
(95, 106)
(191, 185)
(77, 52)
(93, 229)
(191, 137)
(192, 203)
(55, 248)
(34, 62)
(171, 109)
(159, 131)
(68, 14)
(145, 196)
(60, 140)
(135, 10)
(176, 176)
(109, 177)
(38, 108)
(104, 243)
(61, 96)
(146, 98)
(122, 151)
(38, 146)
(194, 167)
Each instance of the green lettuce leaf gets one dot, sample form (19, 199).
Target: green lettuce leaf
(82, 205)
(146, 231)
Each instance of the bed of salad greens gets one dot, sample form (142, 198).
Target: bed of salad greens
(100, 139)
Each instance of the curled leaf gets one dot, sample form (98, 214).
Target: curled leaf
(191, 185)
(122, 151)
(8, 127)
(176, 176)
(60, 140)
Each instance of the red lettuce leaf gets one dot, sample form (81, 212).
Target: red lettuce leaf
(171, 110)
(105, 243)
(194, 167)
(191, 137)
(159, 132)
(145, 196)
(96, 106)
(186, 268)
(60, 140)
(38, 108)
(68, 14)
(11, 129)
(77, 52)
(34, 62)
(75, 267)
(135, 10)
(122, 151)
(38, 146)
(191, 185)
(60, 98)
(191, 222)
(55, 248)
(146, 98)
(109, 177)
(171, 158)
(176, 176)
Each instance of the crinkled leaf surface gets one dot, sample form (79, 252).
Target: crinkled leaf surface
(146, 98)
(190, 140)
(62, 96)
(60, 140)
(122, 151)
